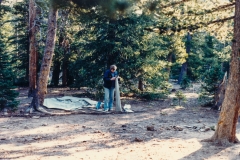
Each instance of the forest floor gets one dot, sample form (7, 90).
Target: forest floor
(155, 131)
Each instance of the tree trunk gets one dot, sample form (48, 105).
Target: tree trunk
(226, 127)
(169, 59)
(56, 73)
(47, 59)
(183, 72)
(184, 65)
(140, 84)
(65, 46)
(32, 49)
(64, 71)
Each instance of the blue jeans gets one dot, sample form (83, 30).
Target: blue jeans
(108, 98)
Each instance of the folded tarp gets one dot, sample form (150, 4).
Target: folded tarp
(69, 103)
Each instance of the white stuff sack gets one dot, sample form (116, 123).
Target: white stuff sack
(117, 96)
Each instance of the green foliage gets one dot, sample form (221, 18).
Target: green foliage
(110, 7)
(7, 92)
(205, 99)
(153, 95)
(186, 82)
(206, 52)
(137, 54)
(4, 9)
(19, 41)
(212, 79)
(180, 96)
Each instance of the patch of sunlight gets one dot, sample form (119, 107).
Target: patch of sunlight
(238, 135)
(68, 145)
(179, 108)
(169, 110)
(3, 121)
(191, 95)
(172, 95)
(173, 149)
(49, 129)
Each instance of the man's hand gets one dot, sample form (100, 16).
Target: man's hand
(113, 78)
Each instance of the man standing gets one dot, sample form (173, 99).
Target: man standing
(109, 78)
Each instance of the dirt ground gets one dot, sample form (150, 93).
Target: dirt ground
(155, 131)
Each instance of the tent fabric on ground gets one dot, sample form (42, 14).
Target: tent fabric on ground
(69, 103)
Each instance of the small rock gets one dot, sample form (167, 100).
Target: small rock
(177, 128)
(150, 128)
(138, 139)
(21, 111)
(207, 129)
(44, 124)
(37, 138)
(124, 125)
(194, 127)
(173, 90)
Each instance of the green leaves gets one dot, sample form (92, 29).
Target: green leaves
(109, 6)
(7, 92)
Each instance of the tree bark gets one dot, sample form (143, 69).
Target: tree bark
(47, 59)
(140, 84)
(226, 127)
(169, 59)
(32, 49)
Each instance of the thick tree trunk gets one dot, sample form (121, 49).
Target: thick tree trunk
(226, 126)
(184, 65)
(32, 48)
(47, 59)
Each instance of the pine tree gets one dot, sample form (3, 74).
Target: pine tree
(7, 92)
